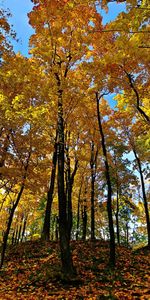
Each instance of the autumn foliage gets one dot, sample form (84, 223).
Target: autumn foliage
(33, 272)
(74, 152)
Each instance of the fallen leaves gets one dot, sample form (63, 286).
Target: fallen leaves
(32, 271)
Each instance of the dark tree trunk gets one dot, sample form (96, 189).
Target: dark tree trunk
(93, 174)
(68, 195)
(66, 257)
(56, 229)
(12, 211)
(46, 226)
(117, 217)
(24, 228)
(78, 212)
(19, 233)
(6, 234)
(127, 234)
(144, 195)
(52, 230)
(92, 193)
(84, 221)
(13, 236)
(109, 189)
(84, 217)
(69, 187)
(16, 235)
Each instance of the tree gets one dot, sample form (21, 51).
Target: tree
(58, 32)
(109, 185)
(93, 164)
(46, 225)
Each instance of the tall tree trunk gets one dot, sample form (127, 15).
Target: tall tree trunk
(68, 195)
(16, 235)
(19, 233)
(78, 212)
(52, 230)
(92, 193)
(127, 234)
(12, 211)
(24, 228)
(144, 195)
(84, 216)
(46, 226)
(93, 174)
(66, 257)
(69, 187)
(13, 238)
(56, 229)
(84, 222)
(6, 234)
(109, 189)
(117, 217)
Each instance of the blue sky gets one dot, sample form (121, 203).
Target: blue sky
(20, 8)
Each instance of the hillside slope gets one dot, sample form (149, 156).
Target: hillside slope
(32, 271)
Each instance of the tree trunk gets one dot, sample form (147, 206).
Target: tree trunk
(78, 212)
(46, 226)
(12, 211)
(12, 240)
(66, 257)
(56, 229)
(84, 217)
(93, 174)
(24, 228)
(69, 187)
(52, 230)
(16, 235)
(19, 233)
(127, 234)
(6, 234)
(109, 189)
(144, 196)
(84, 220)
(117, 217)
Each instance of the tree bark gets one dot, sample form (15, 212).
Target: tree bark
(127, 234)
(144, 195)
(84, 221)
(13, 237)
(78, 212)
(24, 228)
(19, 233)
(109, 188)
(117, 217)
(6, 234)
(93, 174)
(69, 187)
(84, 216)
(16, 235)
(46, 226)
(66, 257)
(12, 211)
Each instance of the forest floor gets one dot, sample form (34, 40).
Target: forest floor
(32, 271)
